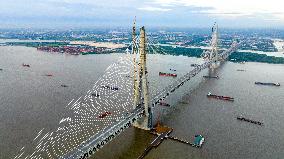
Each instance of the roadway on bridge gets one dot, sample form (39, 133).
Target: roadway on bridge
(86, 121)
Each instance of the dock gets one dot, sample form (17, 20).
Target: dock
(182, 141)
(155, 143)
(164, 132)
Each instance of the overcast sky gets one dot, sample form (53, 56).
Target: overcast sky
(171, 13)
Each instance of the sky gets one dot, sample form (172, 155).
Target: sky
(152, 13)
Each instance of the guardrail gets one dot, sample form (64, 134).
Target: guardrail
(96, 142)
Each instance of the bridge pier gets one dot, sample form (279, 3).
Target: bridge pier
(214, 65)
(145, 122)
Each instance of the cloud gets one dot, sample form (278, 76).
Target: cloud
(237, 7)
(149, 12)
(148, 8)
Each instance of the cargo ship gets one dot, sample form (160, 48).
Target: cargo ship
(48, 75)
(25, 65)
(167, 74)
(210, 95)
(267, 84)
(63, 85)
(217, 77)
(164, 104)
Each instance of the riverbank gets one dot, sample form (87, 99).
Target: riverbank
(72, 48)
(237, 56)
(189, 51)
(279, 44)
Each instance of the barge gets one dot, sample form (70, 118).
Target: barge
(210, 95)
(164, 104)
(167, 74)
(216, 77)
(267, 84)
(249, 120)
(26, 65)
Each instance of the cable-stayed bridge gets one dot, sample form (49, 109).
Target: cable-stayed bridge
(118, 100)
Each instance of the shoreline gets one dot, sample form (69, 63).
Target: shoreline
(279, 44)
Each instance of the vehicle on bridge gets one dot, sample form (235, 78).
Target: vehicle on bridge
(194, 65)
(110, 87)
(95, 94)
(104, 114)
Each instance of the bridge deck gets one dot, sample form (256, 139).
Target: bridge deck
(97, 141)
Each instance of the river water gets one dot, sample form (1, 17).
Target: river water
(225, 137)
(30, 102)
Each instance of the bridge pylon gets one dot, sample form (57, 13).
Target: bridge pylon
(135, 75)
(212, 54)
(141, 89)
